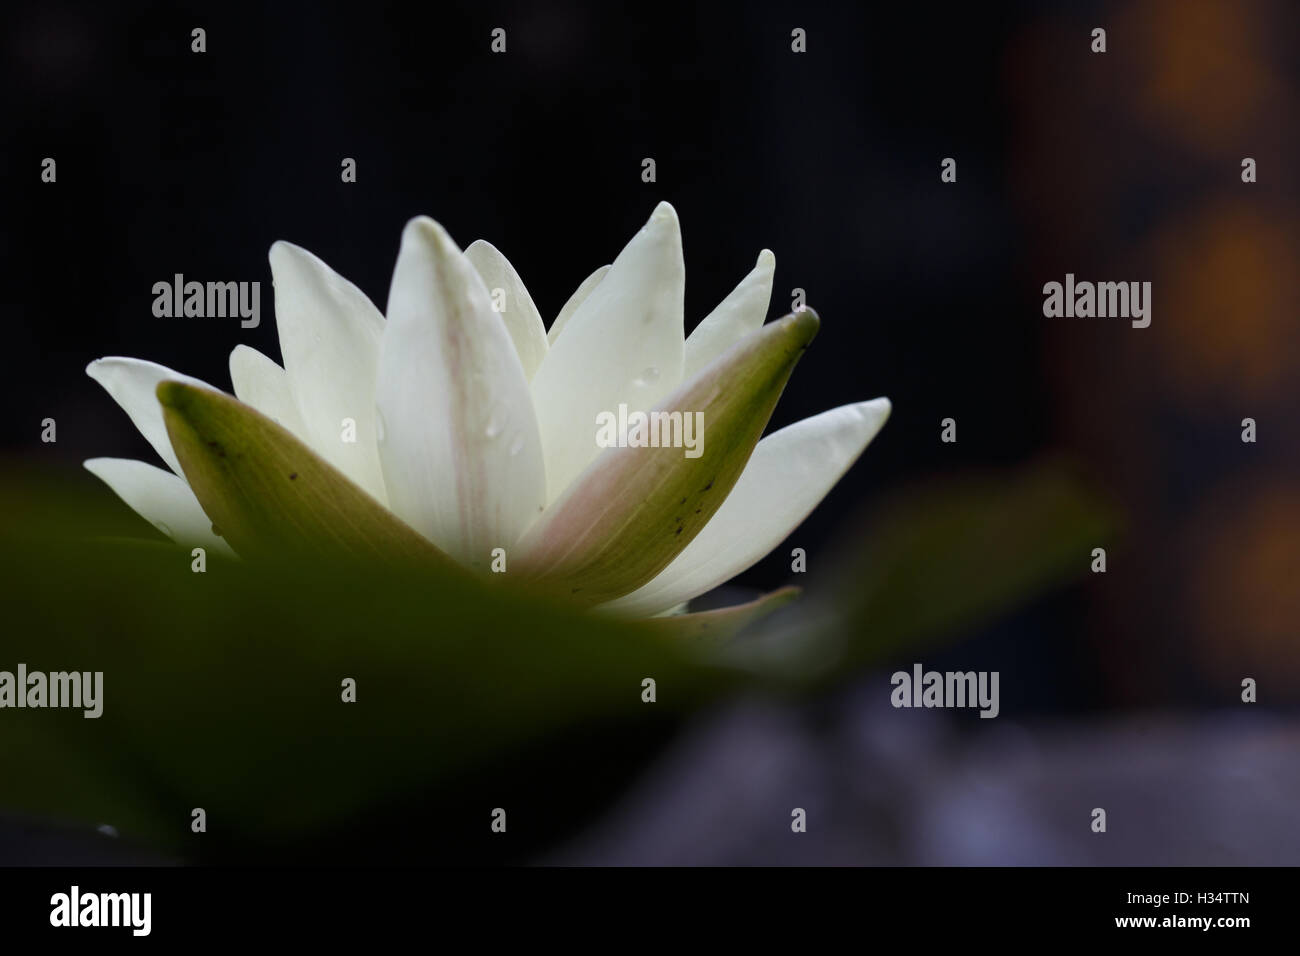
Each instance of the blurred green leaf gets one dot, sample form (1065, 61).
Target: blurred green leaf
(928, 564)
(222, 690)
(941, 558)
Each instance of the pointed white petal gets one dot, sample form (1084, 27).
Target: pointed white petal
(740, 313)
(329, 336)
(790, 471)
(579, 296)
(261, 383)
(461, 452)
(622, 345)
(132, 383)
(522, 320)
(161, 498)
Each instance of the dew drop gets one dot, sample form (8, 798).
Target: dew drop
(498, 417)
(647, 377)
(517, 443)
(381, 432)
(163, 528)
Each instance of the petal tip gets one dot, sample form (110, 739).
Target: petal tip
(804, 324)
(173, 394)
(878, 409)
(422, 226)
(430, 234)
(872, 416)
(238, 355)
(664, 219)
(101, 369)
(283, 251)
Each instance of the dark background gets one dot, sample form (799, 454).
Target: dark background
(1122, 166)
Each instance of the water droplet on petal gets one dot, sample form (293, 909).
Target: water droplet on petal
(163, 528)
(498, 418)
(647, 377)
(381, 432)
(517, 443)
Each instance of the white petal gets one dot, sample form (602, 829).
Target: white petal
(622, 345)
(790, 471)
(329, 337)
(740, 313)
(161, 498)
(259, 382)
(522, 320)
(132, 383)
(461, 451)
(579, 296)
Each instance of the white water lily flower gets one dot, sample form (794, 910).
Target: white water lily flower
(476, 428)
